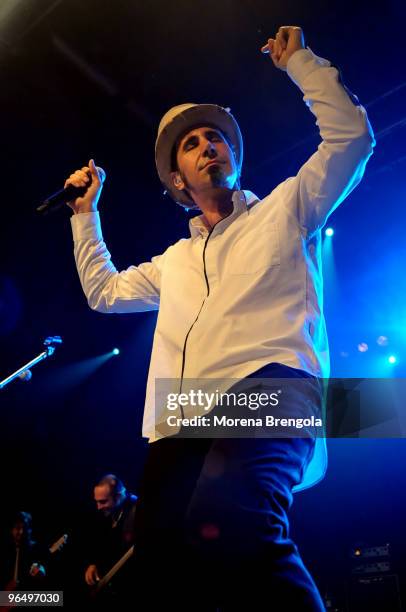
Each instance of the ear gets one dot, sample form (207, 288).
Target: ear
(177, 181)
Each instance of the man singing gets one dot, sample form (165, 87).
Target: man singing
(240, 298)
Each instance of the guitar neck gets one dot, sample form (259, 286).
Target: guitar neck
(106, 579)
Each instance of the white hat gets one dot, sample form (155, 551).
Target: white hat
(178, 121)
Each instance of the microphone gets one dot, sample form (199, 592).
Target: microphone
(61, 197)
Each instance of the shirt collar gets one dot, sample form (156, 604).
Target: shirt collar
(242, 201)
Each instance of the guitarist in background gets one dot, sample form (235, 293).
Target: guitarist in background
(113, 533)
(21, 565)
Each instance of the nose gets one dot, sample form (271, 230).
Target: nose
(210, 150)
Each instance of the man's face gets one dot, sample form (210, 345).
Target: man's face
(18, 533)
(205, 161)
(105, 500)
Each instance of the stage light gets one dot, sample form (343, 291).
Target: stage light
(382, 341)
(392, 359)
(329, 231)
(363, 347)
(116, 351)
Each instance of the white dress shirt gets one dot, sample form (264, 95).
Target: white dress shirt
(250, 292)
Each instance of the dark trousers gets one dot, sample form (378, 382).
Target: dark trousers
(212, 525)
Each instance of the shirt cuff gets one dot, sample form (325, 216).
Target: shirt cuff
(302, 63)
(86, 226)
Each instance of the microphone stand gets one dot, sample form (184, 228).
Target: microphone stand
(24, 372)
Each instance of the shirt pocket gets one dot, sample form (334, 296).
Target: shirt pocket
(255, 250)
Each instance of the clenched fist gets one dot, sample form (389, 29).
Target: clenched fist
(287, 40)
(91, 179)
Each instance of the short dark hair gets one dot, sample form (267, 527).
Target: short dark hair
(116, 485)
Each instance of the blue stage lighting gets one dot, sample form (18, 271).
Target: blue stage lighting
(329, 231)
(392, 359)
(116, 351)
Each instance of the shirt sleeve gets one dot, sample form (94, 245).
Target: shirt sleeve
(338, 165)
(136, 289)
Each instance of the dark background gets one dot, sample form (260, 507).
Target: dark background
(92, 79)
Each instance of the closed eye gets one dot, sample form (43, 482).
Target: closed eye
(190, 143)
(214, 136)
(193, 141)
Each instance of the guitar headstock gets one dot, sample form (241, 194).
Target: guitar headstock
(58, 544)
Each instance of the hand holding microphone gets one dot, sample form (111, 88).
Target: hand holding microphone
(90, 180)
(81, 191)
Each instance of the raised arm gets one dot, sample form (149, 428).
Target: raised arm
(331, 173)
(134, 290)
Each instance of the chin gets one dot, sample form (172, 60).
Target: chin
(217, 176)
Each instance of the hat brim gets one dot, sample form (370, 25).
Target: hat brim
(200, 114)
